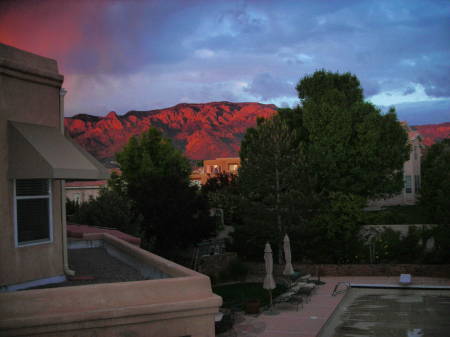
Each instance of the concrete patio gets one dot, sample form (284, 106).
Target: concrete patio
(307, 322)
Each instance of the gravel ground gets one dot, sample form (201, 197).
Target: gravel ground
(96, 266)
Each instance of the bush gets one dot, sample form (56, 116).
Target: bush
(334, 233)
(110, 209)
(435, 189)
(410, 214)
(441, 251)
(235, 271)
(390, 246)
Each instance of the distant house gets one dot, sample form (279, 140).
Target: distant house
(35, 160)
(212, 167)
(411, 174)
(83, 191)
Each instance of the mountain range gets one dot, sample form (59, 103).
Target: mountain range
(431, 133)
(201, 131)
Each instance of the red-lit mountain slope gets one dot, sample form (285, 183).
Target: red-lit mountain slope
(432, 132)
(202, 131)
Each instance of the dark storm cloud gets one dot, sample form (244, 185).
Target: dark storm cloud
(266, 87)
(241, 50)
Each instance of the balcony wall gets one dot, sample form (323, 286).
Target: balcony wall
(180, 305)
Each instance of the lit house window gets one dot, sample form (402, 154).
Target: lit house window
(408, 184)
(33, 209)
(233, 167)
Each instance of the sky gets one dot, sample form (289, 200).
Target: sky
(126, 55)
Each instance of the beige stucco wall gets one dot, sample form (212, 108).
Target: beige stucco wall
(29, 93)
(410, 168)
(181, 305)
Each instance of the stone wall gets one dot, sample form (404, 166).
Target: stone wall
(359, 269)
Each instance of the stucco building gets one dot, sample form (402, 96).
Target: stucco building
(35, 160)
(212, 167)
(411, 174)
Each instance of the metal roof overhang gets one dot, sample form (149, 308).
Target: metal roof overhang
(42, 152)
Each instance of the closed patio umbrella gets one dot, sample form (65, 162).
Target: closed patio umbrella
(269, 282)
(288, 270)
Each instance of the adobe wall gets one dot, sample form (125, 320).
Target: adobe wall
(181, 305)
(359, 269)
(29, 93)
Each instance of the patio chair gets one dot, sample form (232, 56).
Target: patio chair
(306, 291)
(290, 297)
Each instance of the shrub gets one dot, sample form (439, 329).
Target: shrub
(235, 271)
(390, 246)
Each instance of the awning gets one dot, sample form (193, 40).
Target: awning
(42, 152)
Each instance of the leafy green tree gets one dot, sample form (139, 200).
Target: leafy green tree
(268, 180)
(310, 170)
(156, 176)
(435, 189)
(349, 145)
(333, 235)
(111, 209)
(222, 192)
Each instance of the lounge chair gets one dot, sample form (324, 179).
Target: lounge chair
(405, 279)
(290, 297)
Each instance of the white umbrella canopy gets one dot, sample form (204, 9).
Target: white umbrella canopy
(269, 282)
(288, 270)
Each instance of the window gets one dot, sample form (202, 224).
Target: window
(33, 209)
(233, 167)
(417, 183)
(77, 198)
(408, 184)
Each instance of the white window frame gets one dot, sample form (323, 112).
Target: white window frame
(50, 217)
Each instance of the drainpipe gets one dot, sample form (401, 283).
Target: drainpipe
(67, 270)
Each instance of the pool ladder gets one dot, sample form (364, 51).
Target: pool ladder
(339, 291)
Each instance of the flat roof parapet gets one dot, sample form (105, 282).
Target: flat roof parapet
(21, 64)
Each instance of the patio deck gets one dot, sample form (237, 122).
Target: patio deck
(309, 321)
(95, 265)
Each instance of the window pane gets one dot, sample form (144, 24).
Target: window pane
(417, 183)
(29, 187)
(408, 184)
(33, 219)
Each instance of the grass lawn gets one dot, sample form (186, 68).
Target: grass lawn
(237, 294)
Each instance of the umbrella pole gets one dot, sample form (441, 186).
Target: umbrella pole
(271, 304)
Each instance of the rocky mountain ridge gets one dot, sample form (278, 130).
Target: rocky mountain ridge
(201, 131)
(431, 133)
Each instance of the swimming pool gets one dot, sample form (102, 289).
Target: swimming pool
(391, 312)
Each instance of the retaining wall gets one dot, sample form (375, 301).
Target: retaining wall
(359, 269)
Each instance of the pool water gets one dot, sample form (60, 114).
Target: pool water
(391, 312)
